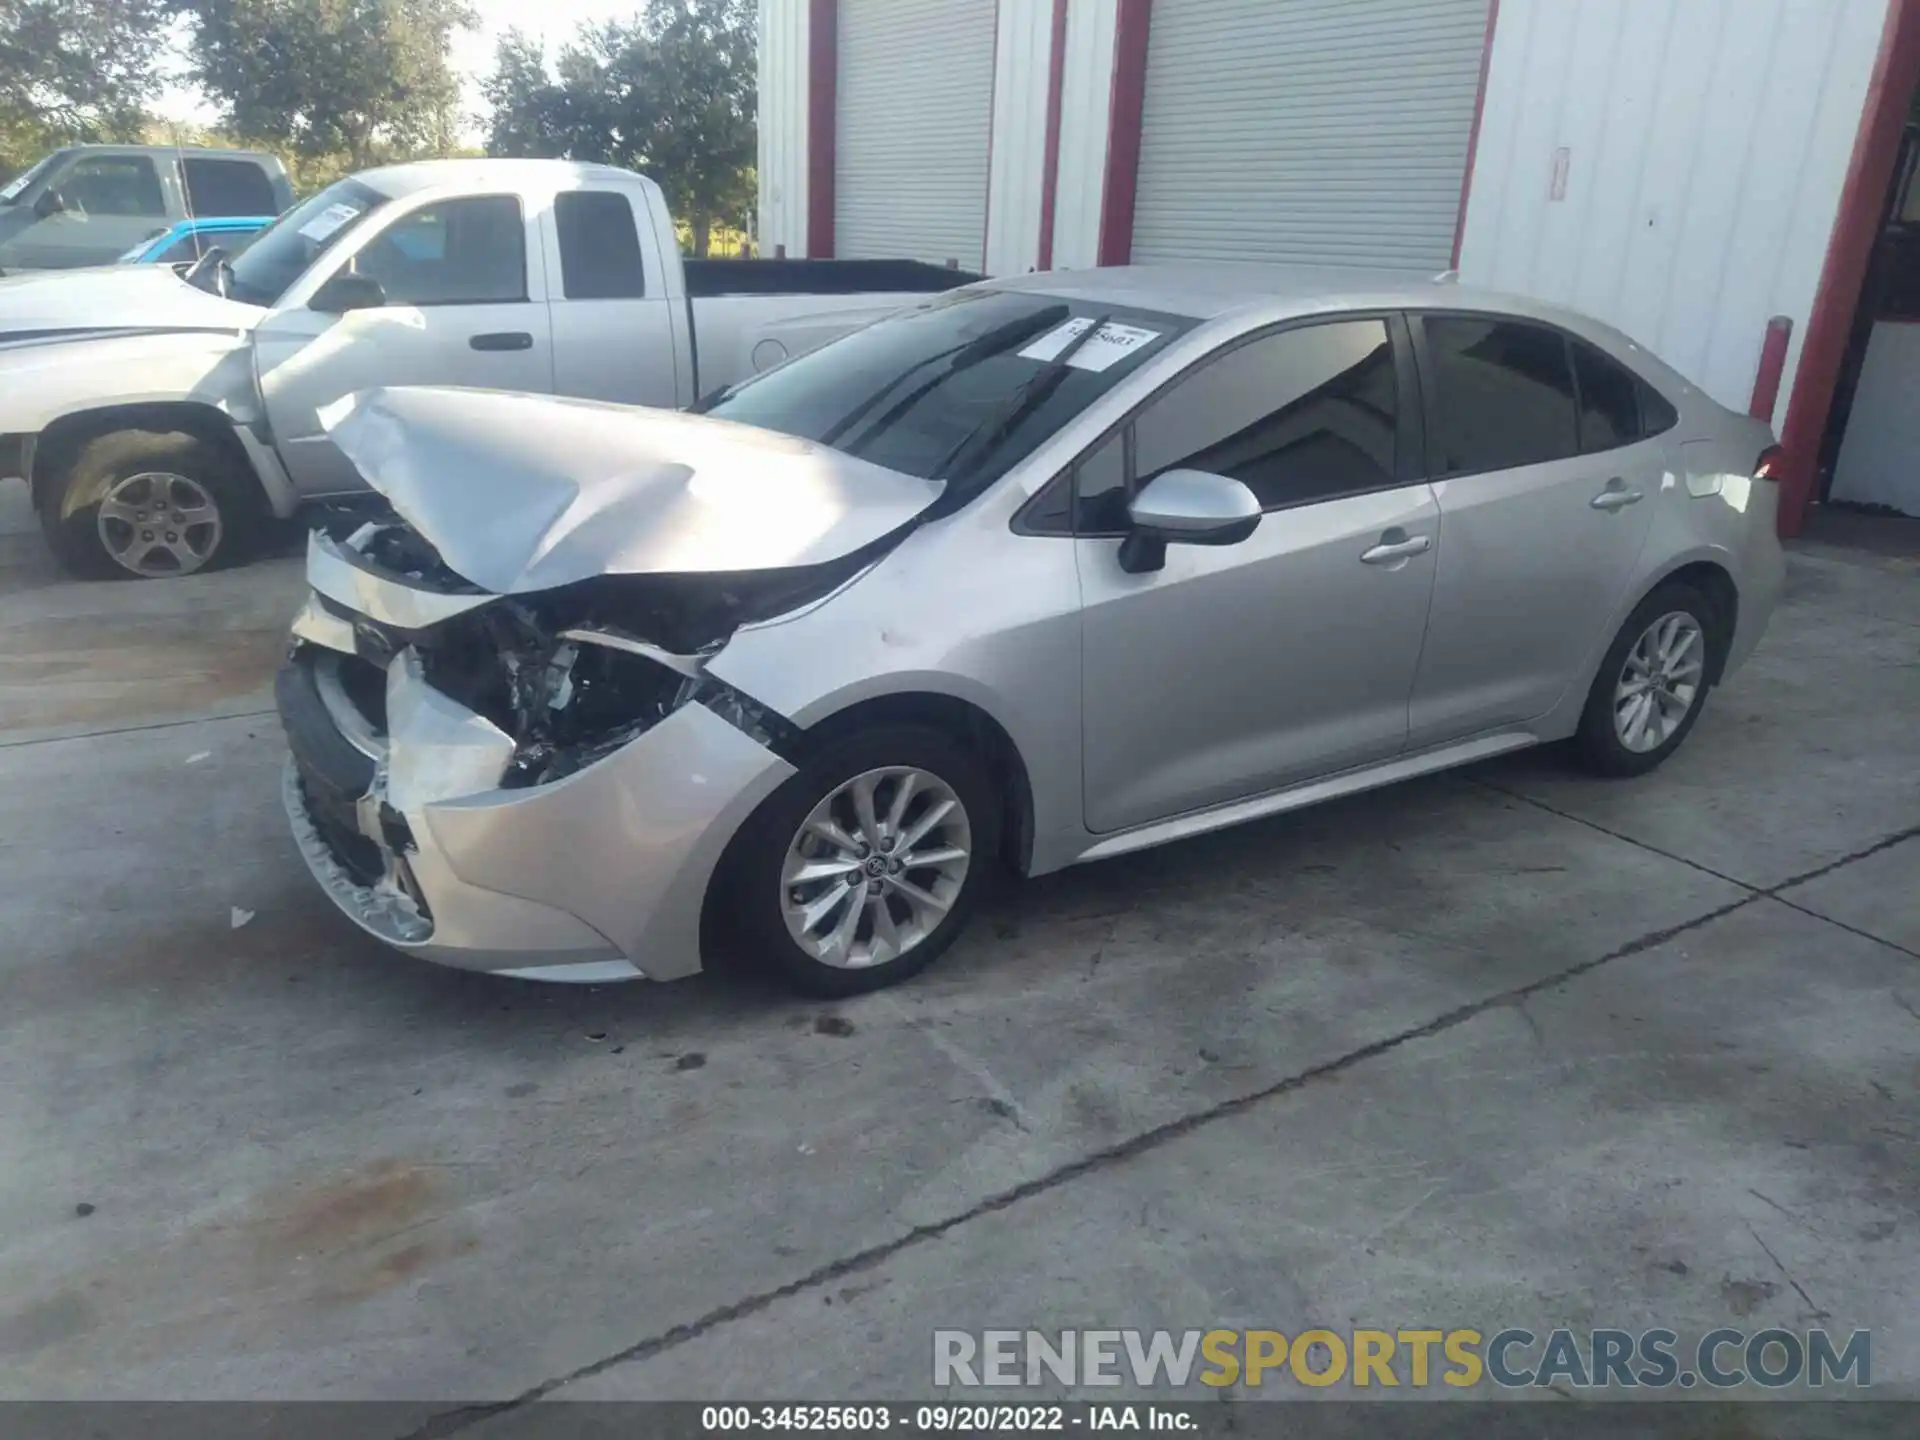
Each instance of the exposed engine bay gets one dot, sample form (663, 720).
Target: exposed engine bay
(574, 673)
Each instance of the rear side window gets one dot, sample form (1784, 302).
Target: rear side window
(1302, 415)
(1503, 394)
(1656, 415)
(599, 246)
(1609, 401)
(228, 187)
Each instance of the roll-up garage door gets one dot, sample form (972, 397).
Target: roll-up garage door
(914, 99)
(1307, 131)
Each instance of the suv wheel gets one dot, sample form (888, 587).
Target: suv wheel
(862, 868)
(141, 505)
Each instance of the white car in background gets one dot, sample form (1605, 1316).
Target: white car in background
(159, 417)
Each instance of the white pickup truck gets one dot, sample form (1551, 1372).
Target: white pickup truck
(161, 416)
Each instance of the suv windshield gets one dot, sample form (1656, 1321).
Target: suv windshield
(962, 387)
(284, 250)
(14, 188)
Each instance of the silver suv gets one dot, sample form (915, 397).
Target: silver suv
(1037, 572)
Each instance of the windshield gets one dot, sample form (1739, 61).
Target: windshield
(958, 388)
(14, 188)
(281, 253)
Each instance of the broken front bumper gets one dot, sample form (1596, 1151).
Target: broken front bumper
(599, 876)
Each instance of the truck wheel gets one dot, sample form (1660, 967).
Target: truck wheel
(137, 504)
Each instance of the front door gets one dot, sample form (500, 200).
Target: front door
(1547, 486)
(108, 204)
(463, 307)
(1242, 669)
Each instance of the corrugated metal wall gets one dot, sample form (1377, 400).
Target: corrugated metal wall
(1702, 144)
(1311, 131)
(782, 75)
(914, 105)
(1025, 46)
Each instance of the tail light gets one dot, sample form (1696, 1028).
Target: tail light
(1770, 464)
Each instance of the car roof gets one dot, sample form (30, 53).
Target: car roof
(396, 181)
(1209, 291)
(218, 152)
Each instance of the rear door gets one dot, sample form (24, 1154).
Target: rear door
(609, 305)
(465, 305)
(1241, 669)
(1543, 482)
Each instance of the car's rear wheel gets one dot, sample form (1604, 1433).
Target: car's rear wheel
(1653, 683)
(862, 868)
(138, 504)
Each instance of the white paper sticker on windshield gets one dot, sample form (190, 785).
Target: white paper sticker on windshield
(11, 190)
(328, 221)
(1112, 345)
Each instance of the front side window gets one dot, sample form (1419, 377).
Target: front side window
(961, 387)
(459, 252)
(113, 185)
(1504, 394)
(1302, 415)
(285, 250)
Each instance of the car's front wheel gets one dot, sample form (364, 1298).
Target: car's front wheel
(863, 867)
(137, 504)
(1653, 683)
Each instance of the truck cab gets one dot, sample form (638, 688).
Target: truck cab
(90, 204)
(160, 416)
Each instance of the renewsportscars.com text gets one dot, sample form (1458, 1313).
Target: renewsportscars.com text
(1362, 1358)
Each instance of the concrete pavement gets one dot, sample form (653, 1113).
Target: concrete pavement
(1506, 1047)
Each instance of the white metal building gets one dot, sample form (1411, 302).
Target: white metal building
(1708, 175)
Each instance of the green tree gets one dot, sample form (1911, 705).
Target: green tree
(672, 93)
(74, 70)
(355, 78)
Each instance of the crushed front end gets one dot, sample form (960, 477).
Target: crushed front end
(539, 785)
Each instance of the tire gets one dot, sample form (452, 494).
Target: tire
(91, 513)
(769, 849)
(1601, 742)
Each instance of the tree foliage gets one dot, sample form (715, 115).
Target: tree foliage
(74, 70)
(352, 78)
(671, 93)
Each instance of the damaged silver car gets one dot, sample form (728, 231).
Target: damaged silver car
(1036, 572)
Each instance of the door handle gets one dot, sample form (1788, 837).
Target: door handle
(1388, 551)
(503, 340)
(1616, 496)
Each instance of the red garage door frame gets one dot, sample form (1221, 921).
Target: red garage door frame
(1876, 148)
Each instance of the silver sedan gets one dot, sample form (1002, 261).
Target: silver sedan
(1037, 572)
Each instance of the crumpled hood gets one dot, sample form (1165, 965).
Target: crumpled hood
(525, 492)
(111, 300)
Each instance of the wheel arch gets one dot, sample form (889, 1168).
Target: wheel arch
(959, 718)
(1709, 575)
(48, 454)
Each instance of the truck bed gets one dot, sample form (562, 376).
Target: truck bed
(707, 279)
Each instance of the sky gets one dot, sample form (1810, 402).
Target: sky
(551, 21)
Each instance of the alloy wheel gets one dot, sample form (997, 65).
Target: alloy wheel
(1659, 681)
(875, 867)
(157, 523)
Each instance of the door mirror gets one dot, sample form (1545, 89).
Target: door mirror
(1185, 507)
(50, 203)
(346, 291)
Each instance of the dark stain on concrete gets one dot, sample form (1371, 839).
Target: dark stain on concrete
(1743, 1297)
(43, 1323)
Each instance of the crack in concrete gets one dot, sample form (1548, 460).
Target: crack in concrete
(450, 1422)
(63, 739)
